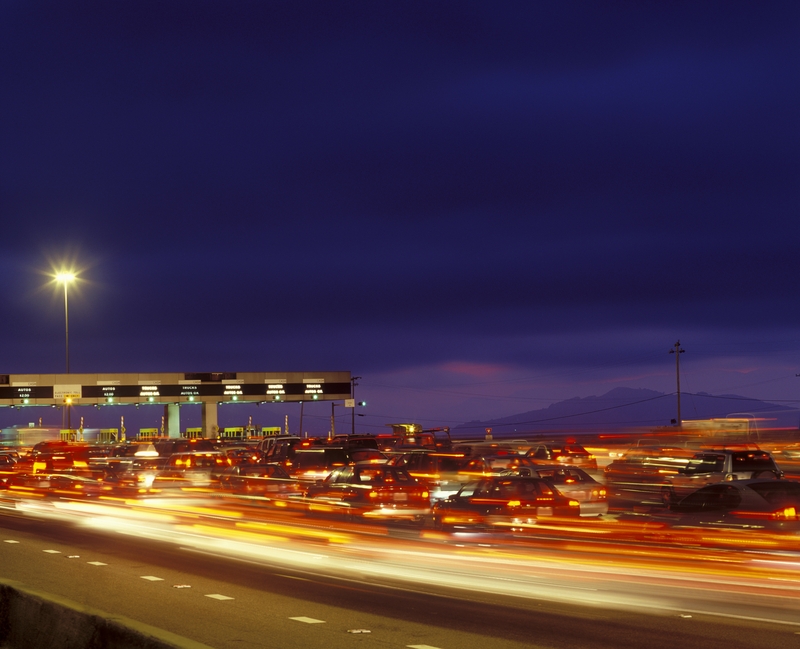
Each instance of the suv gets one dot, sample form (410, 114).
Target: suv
(718, 465)
(438, 470)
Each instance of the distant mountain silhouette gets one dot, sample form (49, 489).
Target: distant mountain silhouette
(626, 408)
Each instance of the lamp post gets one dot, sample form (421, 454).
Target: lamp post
(353, 385)
(65, 279)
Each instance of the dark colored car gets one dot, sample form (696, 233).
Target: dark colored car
(640, 474)
(316, 462)
(57, 485)
(503, 502)
(438, 470)
(569, 453)
(281, 448)
(718, 465)
(186, 470)
(487, 465)
(259, 480)
(574, 483)
(373, 491)
(758, 504)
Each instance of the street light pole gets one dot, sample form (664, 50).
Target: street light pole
(66, 323)
(678, 351)
(353, 397)
(65, 279)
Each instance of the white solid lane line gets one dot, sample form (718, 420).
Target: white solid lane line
(307, 620)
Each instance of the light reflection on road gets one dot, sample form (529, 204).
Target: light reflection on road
(604, 563)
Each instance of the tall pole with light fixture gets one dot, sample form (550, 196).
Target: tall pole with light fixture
(65, 279)
(678, 351)
(353, 385)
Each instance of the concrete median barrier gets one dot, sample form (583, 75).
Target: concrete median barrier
(31, 619)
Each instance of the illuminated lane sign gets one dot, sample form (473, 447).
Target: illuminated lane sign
(107, 389)
(26, 392)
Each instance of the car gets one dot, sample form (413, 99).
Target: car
(281, 448)
(486, 465)
(640, 473)
(200, 469)
(243, 453)
(370, 491)
(316, 462)
(354, 441)
(58, 485)
(258, 479)
(570, 453)
(718, 465)
(574, 483)
(438, 470)
(769, 504)
(135, 476)
(503, 502)
(168, 447)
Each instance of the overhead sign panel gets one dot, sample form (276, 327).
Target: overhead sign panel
(55, 389)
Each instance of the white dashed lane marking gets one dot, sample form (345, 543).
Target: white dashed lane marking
(96, 563)
(420, 646)
(10, 541)
(307, 620)
(219, 597)
(151, 578)
(52, 551)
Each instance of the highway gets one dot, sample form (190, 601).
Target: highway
(236, 573)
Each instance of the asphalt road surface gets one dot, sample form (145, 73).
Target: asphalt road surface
(345, 594)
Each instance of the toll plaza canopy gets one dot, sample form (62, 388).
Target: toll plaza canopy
(172, 388)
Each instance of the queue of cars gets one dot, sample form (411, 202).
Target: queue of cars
(477, 485)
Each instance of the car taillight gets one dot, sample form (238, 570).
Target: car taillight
(373, 494)
(514, 503)
(425, 494)
(786, 513)
(574, 503)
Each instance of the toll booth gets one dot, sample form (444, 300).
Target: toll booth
(109, 435)
(236, 432)
(192, 433)
(271, 431)
(148, 434)
(71, 435)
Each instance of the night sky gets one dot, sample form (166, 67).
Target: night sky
(479, 208)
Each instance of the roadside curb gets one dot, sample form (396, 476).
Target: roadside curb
(32, 619)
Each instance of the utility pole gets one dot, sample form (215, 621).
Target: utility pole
(678, 351)
(353, 397)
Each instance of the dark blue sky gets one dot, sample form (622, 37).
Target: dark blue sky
(478, 209)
